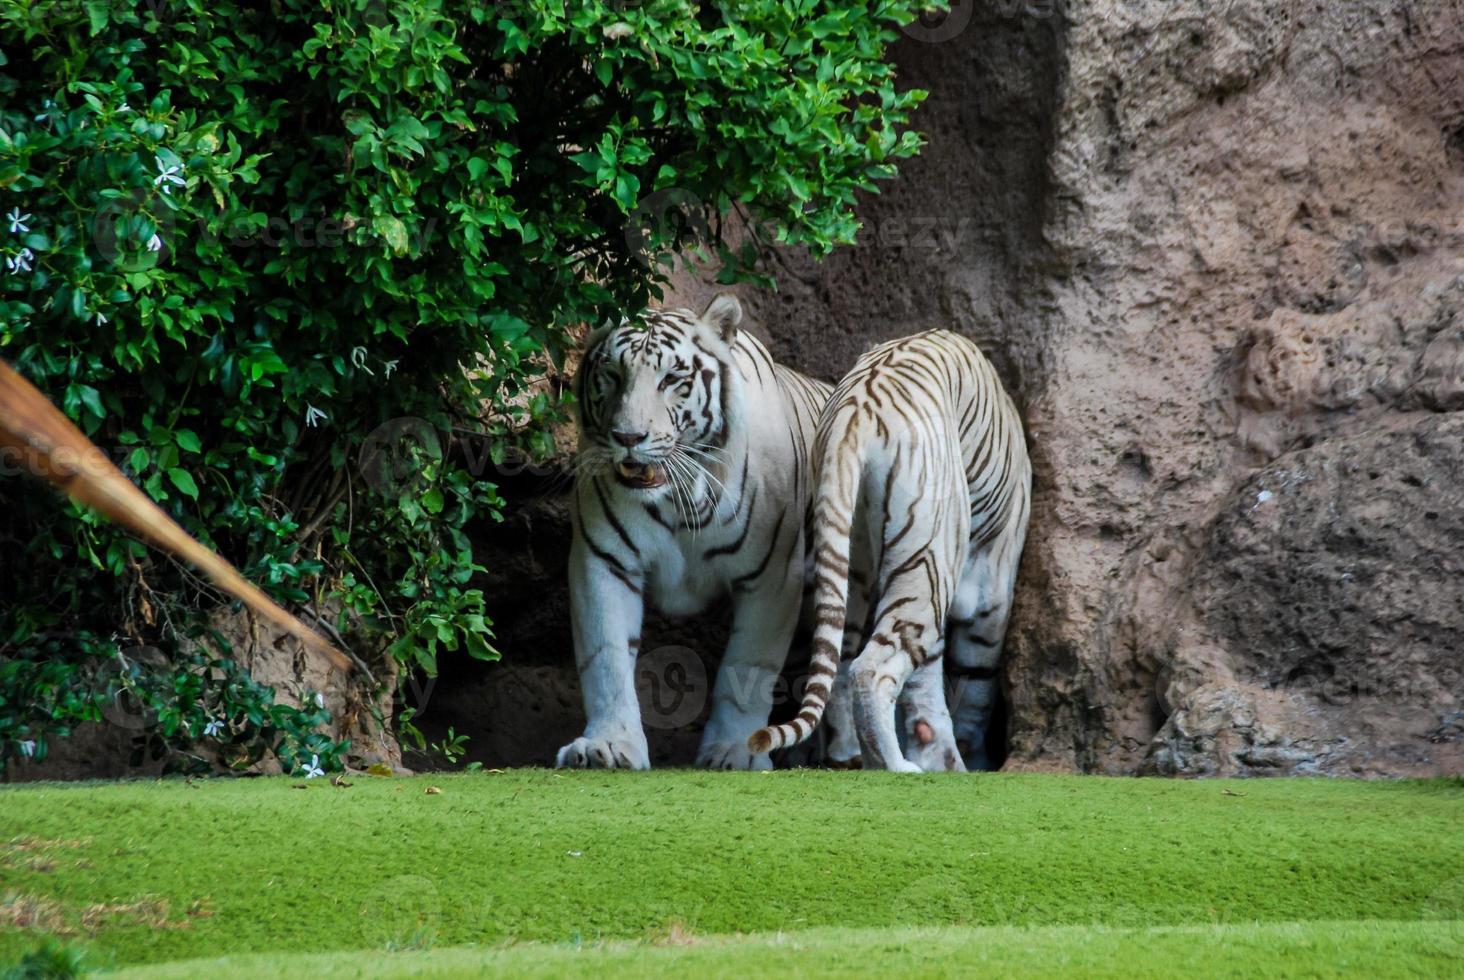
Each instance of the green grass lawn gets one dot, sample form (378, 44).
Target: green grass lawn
(555, 874)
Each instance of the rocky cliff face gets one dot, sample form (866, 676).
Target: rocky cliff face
(1217, 250)
(1245, 554)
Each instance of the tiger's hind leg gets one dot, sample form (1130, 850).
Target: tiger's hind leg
(904, 632)
(975, 634)
(930, 739)
(877, 677)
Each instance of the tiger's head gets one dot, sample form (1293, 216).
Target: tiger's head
(654, 393)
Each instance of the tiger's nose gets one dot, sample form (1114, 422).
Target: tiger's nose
(629, 439)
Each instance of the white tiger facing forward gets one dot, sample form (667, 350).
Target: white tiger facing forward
(693, 483)
(923, 492)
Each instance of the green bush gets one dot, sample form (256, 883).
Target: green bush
(238, 238)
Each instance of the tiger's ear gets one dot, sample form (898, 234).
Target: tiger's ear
(723, 314)
(597, 334)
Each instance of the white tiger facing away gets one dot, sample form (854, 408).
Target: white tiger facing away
(694, 482)
(924, 490)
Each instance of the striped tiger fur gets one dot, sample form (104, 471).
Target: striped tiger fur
(694, 481)
(923, 487)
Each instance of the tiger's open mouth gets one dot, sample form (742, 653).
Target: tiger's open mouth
(640, 476)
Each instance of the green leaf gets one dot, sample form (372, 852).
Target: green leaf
(393, 231)
(477, 647)
(188, 439)
(92, 400)
(96, 13)
(183, 480)
(432, 501)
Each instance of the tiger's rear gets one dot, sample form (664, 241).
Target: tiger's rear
(923, 491)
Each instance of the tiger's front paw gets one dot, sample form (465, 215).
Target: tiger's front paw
(731, 755)
(624, 752)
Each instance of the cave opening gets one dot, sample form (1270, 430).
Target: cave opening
(998, 733)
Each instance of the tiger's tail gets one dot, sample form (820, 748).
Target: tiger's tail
(835, 503)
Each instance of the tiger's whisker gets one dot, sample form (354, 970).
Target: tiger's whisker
(706, 473)
(676, 469)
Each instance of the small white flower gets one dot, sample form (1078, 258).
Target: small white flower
(28, 748)
(124, 107)
(390, 367)
(358, 358)
(313, 416)
(155, 244)
(168, 176)
(45, 111)
(319, 700)
(18, 221)
(214, 726)
(313, 770)
(1264, 496)
(101, 319)
(20, 262)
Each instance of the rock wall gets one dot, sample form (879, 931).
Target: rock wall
(1256, 230)
(1215, 250)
